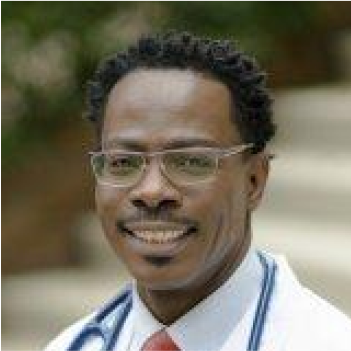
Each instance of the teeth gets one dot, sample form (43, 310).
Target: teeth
(159, 236)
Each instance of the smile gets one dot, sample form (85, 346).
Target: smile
(155, 237)
(157, 232)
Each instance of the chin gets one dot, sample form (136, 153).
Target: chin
(161, 274)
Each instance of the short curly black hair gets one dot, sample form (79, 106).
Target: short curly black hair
(219, 58)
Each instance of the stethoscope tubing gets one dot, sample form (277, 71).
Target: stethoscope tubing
(95, 327)
(263, 304)
(118, 325)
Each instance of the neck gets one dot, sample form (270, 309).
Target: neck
(169, 305)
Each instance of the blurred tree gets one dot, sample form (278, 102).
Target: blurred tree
(47, 54)
(257, 25)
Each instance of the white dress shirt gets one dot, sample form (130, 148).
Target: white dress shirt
(207, 325)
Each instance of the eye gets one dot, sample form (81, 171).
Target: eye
(190, 163)
(122, 164)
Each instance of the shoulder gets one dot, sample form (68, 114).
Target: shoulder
(63, 340)
(312, 323)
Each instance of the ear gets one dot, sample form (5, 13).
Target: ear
(258, 171)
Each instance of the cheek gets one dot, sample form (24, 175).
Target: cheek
(223, 202)
(232, 206)
(108, 203)
(213, 208)
(223, 214)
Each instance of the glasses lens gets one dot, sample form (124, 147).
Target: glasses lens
(117, 168)
(189, 166)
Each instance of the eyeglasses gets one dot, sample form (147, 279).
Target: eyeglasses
(182, 166)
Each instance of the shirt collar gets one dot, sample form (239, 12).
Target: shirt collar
(208, 324)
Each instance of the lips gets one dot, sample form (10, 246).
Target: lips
(156, 232)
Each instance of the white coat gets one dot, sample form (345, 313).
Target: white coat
(297, 320)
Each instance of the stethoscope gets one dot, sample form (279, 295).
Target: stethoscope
(108, 323)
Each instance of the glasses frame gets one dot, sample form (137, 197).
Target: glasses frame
(146, 156)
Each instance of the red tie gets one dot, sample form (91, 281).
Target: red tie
(160, 341)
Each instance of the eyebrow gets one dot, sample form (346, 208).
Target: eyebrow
(138, 145)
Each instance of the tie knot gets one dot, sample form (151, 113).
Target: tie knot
(160, 341)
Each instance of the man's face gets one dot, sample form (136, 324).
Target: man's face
(153, 110)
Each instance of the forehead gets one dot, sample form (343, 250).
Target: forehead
(153, 89)
(156, 106)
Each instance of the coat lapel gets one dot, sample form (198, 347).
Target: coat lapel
(280, 317)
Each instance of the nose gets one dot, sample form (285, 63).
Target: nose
(154, 191)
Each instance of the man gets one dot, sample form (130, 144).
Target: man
(182, 125)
